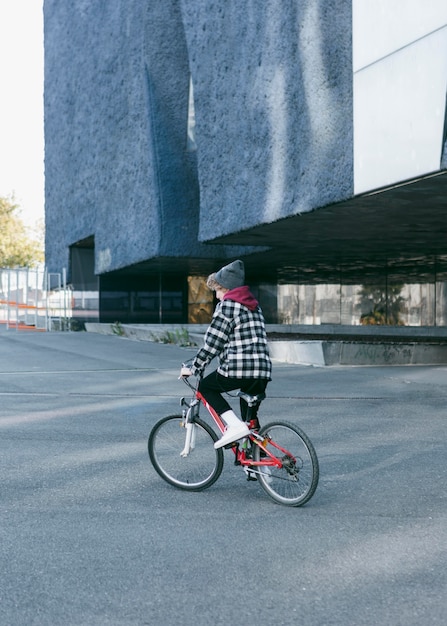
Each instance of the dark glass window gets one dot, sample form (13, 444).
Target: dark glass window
(142, 299)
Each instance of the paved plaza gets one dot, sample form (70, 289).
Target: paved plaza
(91, 536)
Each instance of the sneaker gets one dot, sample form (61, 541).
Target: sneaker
(233, 433)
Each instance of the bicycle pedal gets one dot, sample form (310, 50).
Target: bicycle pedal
(251, 476)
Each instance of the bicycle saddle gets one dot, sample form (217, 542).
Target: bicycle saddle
(251, 400)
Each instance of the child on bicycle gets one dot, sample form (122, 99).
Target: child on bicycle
(237, 336)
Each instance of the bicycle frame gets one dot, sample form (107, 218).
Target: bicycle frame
(240, 453)
(264, 452)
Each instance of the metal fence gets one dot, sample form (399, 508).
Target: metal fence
(34, 299)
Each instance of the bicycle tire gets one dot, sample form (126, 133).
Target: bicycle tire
(195, 472)
(295, 482)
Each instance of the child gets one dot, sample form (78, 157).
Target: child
(237, 336)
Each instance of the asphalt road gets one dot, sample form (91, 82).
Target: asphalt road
(90, 535)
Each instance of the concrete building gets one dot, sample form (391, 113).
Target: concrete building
(307, 138)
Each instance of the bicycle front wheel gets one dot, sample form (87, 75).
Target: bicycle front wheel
(194, 471)
(295, 482)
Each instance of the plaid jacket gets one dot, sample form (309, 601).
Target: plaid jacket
(238, 338)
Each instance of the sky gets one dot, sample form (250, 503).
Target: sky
(21, 106)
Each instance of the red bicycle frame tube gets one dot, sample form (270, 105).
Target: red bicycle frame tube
(219, 422)
(240, 454)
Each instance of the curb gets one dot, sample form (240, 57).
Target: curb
(319, 353)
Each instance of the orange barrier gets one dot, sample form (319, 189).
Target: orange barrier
(18, 325)
(23, 326)
(20, 305)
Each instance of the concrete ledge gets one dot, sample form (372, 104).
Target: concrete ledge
(326, 353)
(149, 332)
(303, 352)
(337, 332)
(363, 350)
(364, 353)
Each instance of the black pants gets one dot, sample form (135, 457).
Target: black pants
(213, 385)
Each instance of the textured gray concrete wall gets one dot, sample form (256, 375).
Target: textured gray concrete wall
(273, 100)
(116, 95)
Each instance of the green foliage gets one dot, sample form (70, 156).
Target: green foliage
(117, 329)
(18, 248)
(178, 337)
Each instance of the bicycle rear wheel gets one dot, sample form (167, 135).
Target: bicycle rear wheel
(199, 469)
(296, 481)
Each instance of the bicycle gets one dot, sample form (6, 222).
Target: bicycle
(280, 456)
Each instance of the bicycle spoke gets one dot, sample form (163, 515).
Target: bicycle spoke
(192, 466)
(294, 483)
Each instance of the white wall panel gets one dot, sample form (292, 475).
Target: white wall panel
(399, 109)
(381, 27)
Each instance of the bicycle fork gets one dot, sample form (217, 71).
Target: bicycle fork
(191, 428)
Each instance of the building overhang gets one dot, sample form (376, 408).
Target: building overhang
(399, 231)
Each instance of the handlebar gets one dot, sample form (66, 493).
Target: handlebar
(185, 379)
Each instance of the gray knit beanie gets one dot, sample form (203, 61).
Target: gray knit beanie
(232, 275)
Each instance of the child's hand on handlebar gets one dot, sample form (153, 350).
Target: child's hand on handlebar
(185, 371)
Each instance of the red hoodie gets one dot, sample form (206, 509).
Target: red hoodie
(242, 295)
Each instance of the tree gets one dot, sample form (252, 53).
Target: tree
(18, 248)
(384, 304)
